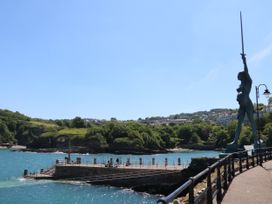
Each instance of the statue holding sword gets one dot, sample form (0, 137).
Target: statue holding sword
(246, 106)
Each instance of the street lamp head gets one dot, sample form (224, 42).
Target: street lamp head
(266, 93)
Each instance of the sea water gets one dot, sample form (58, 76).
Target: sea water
(14, 189)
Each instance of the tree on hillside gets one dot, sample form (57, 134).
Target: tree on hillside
(96, 141)
(246, 137)
(5, 135)
(78, 122)
(219, 136)
(185, 133)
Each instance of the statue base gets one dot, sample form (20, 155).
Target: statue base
(230, 148)
(233, 147)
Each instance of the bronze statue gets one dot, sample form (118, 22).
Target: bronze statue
(246, 105)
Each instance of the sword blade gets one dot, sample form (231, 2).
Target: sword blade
(242, 36)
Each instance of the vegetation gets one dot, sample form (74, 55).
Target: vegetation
(123, 136)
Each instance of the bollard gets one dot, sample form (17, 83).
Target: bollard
(66, 160)
(78, 160)
(128, 162)
(141, 161)
(25, 172)
(179, 161)
(153, 161)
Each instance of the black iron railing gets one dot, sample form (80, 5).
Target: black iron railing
(218, 177)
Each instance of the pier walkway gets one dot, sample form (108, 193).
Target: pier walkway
(251, 187)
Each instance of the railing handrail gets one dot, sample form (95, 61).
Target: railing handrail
(227, 160)
(174, 194)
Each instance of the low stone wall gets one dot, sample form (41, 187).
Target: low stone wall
(157, 183)
(73, 171)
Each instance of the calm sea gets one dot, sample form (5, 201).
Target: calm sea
(16, 190)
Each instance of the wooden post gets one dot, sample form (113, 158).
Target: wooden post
(218, 186)
(209, 187)
(191, 192)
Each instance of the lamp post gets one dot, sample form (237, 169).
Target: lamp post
(266, 93)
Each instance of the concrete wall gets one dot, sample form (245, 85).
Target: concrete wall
(72, 171)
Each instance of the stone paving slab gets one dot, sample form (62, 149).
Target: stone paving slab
(251, 187)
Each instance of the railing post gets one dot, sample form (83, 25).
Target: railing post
(218, 186)
(240, 163)
(232, 167)
(261, 157)
(225, 186)
(247, 163)
(191, 192)
(209, 187)
(253, 159)
(257, 156)
(229, 169)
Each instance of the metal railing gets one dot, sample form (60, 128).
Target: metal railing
(218, 177)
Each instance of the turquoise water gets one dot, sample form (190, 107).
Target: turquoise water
(16, 190)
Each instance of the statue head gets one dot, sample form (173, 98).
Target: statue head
(241, 76)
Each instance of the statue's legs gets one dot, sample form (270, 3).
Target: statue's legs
(241, 117)
(253, 126)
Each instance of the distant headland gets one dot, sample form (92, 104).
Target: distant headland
(206, 130)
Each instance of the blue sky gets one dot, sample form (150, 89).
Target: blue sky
(129, 59)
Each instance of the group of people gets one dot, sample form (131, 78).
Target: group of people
(117, 162)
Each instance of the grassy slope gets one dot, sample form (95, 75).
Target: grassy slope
(73, 131)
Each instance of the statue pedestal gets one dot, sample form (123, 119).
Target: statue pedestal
(233, 147)
(230, 148)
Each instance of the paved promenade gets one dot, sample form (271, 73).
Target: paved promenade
(251, 187)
